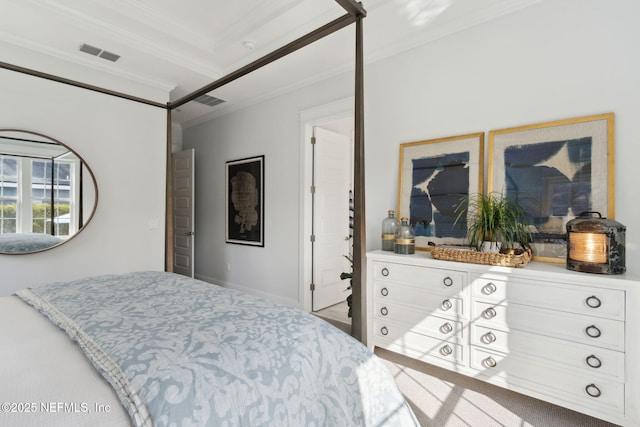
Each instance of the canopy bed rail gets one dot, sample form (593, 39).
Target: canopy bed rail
(355, 14)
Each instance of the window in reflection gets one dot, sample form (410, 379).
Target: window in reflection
(8, 194)
(47, 189)
(47, 193)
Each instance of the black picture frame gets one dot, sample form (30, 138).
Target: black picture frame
(244, 179)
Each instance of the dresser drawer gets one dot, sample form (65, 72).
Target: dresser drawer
(446, 282)
(608, 303)
(582, 359)
(605, 333)
(585, 390)
(416, 345)
(420, 297)
(399, 320)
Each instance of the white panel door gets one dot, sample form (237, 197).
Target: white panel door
(183, 164)
(332, 182)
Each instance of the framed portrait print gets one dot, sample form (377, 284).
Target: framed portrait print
(555, 171)
(245, 201)
(434, 177)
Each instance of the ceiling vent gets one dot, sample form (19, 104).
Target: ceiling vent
(209, 100)
(96, 51)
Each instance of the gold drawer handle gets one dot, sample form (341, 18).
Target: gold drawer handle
(489, 362)
(593, 361)
(489, 313)
(593, 331)
(384, 292)
(446, 305)
(446, 350)
(488, 338)
(384, 311)
(593, 390)
(385, 271)
(446, 328)
(593, 301)
(489, 288)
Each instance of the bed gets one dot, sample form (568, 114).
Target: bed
(11, 243)
(160, 349)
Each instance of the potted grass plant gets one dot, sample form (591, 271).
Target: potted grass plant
(348, 275)
(496, 224)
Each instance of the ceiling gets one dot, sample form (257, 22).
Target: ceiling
(168, 49)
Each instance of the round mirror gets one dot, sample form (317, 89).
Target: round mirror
(48, 194)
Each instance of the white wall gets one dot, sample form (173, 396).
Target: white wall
(124, 143)
(272, 129)
(551, 61)
(557, 59)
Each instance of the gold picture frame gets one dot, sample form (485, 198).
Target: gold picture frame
(555, 170)
(434, 175)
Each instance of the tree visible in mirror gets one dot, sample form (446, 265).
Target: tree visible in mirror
(494, 218)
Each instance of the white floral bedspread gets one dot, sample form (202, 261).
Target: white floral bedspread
(181, 352)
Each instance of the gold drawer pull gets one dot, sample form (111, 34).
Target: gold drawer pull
(593, 331)
(384, 292)
(384, 330)
(446, 305)
(489, 362)
(593, 301)
(446, 350)
(488, 338)
(447, 281)
(384, 311)
(489, 313)
(593, 361)
(593, 390)
(489, 288)
(446, 328)
(385, 271)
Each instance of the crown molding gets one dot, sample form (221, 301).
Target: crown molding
(428, 36)
(107, 68)
(449, 28)
(128, 38)
(167, 25)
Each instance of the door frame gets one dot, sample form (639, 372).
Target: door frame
(190, 154)
(310, 118)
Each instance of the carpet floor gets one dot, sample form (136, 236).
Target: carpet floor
(441, 398)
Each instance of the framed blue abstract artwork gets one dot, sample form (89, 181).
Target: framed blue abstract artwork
(555, 171)
(434, 176)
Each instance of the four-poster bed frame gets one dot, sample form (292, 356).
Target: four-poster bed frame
(354, 14)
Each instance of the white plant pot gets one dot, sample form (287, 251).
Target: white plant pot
(492, 247)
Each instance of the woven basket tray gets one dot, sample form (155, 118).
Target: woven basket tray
(475, 257)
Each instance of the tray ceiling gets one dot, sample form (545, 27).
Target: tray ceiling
(167, 49)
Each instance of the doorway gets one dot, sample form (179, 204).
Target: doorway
(326, 181)
(331, 196)
(183, 164)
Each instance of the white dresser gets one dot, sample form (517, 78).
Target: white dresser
(569, 338)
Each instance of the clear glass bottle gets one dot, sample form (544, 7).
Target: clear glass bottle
(389, 226)
(405, 240)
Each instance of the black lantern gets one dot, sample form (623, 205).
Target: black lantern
(595, 244)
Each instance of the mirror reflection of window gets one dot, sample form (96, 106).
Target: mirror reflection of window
(8, 194)
(51, 196)
(47, 193)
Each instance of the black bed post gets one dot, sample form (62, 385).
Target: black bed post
(358, 325)
(168, 236)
